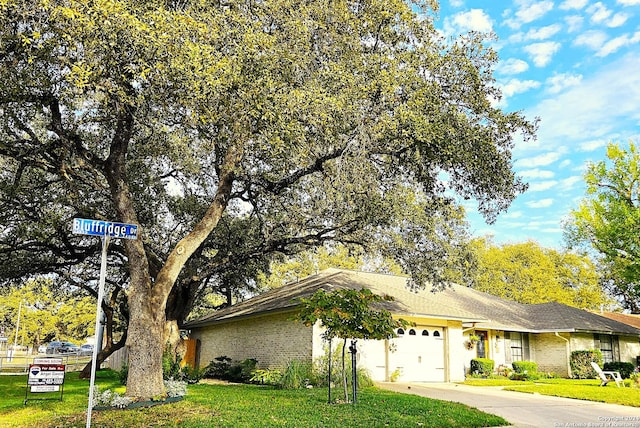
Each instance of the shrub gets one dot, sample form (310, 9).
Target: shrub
(175, 388)
(190, 375)
(266, 376)
(218, 368)
(625, 369)
(482, 366)
(580, 363)
(298, 374)
(222, 369)
(170, 363)
(524, 367)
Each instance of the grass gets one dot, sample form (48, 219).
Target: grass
(582, 389)
(214, 405)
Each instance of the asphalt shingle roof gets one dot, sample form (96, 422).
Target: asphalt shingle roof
(454, 303)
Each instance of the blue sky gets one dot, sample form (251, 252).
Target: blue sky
(575, 64)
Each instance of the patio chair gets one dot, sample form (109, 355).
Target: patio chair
(607, 376)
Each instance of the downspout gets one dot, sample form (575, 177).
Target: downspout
(568, 353)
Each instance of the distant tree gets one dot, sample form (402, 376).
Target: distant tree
(46, 313)
(529, 273)
(607, 221)
(349, 314)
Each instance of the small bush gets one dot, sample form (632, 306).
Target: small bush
(580, 363)
(482, 366)
(190, 375)
(266, 376)
(170, 363)
(625, 369)
(218, 368)
(222, 369)
(524, 367)
(298, 374)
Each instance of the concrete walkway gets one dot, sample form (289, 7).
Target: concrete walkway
(526, 410)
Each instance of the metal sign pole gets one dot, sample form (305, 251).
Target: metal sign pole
(103, 274)
(106, 230)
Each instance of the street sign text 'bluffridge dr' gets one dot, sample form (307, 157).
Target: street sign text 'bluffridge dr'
(84, 226)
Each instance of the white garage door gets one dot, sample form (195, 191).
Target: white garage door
(418, 354)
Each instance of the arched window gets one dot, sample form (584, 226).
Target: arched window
(412, 332)
(425, 332)
(400, 331)
(436, 333)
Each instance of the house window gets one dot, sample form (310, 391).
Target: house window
(400, 331)
(516, 347)
(606, 347)
(436, 333)
(412, 332)
(425, 332)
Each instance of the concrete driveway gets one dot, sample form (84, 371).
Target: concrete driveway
(526, 410)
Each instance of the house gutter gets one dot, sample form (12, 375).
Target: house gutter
(568, 352)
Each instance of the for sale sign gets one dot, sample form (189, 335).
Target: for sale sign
(46, 375)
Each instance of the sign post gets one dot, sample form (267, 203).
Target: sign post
(106, 230)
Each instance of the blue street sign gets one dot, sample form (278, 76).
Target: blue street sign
(84, 226)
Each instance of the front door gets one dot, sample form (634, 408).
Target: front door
(481, 347)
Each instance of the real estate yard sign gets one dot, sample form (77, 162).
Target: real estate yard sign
(45, 375)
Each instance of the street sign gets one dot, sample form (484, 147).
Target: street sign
(85, 226)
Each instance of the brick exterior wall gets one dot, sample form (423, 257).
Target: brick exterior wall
(550, 353)
(273, 340)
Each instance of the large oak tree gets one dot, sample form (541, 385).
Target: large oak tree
(230, 130)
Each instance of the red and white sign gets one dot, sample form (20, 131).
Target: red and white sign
(46, 376)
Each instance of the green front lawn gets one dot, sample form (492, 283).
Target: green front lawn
(236, 406)
(582, 389)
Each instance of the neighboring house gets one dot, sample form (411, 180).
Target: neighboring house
(631, 319)
(435, 348)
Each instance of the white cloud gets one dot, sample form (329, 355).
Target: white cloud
(542, 203)
(573, 4)
(542, 186)
(543, 33)
(558, 82)
(565, 163)
(529, 12)
(593, 39)
(628, 2)
(541, 53)
(540, 160)
(613, 45)
(606, 101)
(617, 20)
(574, 23)
(590, 146)
(536, 173)
(471, 20)
(517, 86)
(569, 183)
(456, 3)
(599, 12)
(512, 66)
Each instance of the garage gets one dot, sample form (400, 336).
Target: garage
(418, 354)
